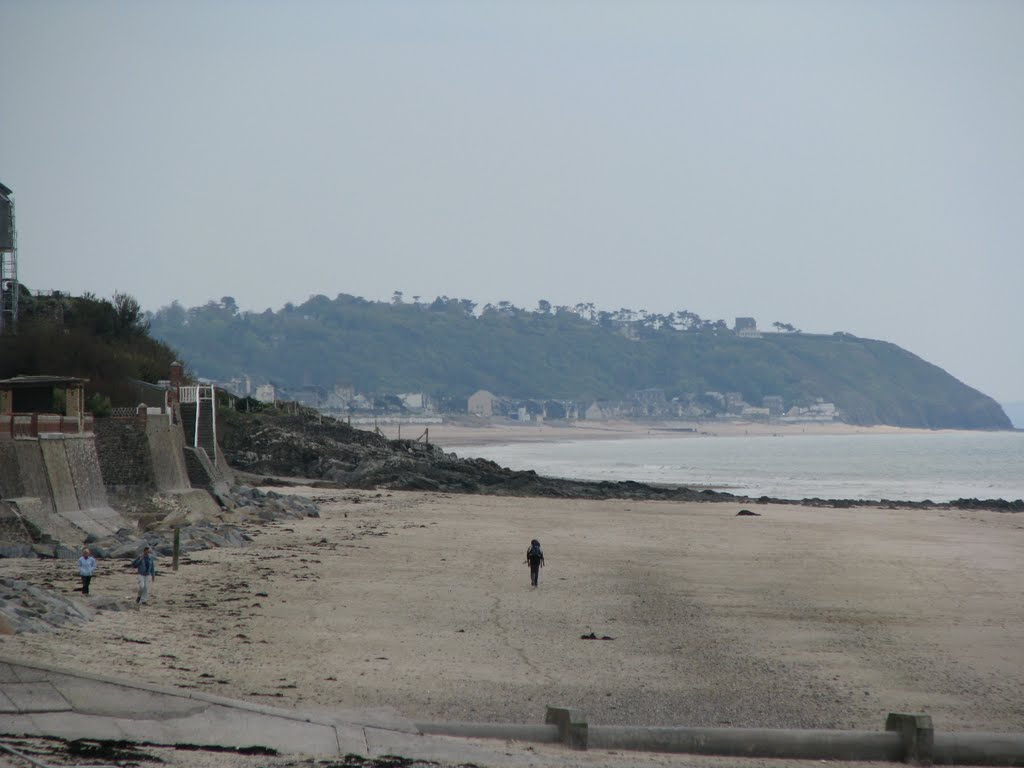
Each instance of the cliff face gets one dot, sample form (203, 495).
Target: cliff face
(876, 382)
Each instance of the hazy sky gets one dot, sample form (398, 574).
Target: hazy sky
(838, 165)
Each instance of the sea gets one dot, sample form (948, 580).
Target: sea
(939, 466)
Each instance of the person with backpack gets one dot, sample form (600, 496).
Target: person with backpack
(535, 559)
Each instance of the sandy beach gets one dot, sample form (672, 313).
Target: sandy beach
(421, 602)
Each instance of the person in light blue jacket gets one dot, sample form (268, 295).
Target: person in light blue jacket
(86, 569)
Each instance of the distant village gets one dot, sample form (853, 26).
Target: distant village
(343, 402)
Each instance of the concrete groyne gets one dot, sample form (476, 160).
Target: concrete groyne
(908, 738)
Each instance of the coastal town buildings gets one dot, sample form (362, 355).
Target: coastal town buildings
(343, 401)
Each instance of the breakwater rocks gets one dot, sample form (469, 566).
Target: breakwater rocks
(304, 444)
(127, 544)
(254, 504)
(241, 504)
(995, 505)
(25, 607)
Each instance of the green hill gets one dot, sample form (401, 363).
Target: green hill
(446, 349)
(105, 341)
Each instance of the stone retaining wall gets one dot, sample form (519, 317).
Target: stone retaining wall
(124, 456)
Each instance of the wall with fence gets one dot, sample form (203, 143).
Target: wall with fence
(14, 425)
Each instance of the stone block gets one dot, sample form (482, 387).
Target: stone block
(572, 726)
(917, 734)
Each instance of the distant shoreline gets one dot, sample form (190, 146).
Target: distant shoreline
(501, 432)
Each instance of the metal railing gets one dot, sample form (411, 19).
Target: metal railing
(197, 394)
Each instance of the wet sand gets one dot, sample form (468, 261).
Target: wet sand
(421, 602)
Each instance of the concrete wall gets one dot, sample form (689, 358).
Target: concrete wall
(167, 454)
(57, 484)
(58, 472)
(15, 540)
(38, 515)
(53, 484)
(33, 481)
(10, 477)
(85, 471)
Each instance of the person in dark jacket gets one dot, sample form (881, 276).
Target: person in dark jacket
(145, 566)
(535, 559)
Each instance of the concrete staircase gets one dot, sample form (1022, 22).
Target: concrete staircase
(205, 437)
(203, 473)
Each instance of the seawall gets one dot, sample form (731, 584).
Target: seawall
(52, 484)
(56, 483)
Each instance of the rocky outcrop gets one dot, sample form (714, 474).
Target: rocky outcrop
(240, 505)
(256, 505)
(329, 453)
(160, 515)
(25, 607)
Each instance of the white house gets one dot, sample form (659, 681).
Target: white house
(266, 393)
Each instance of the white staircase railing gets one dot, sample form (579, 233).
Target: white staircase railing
(200, 394)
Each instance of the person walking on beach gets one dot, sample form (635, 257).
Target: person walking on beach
(86, 569)
(145, 566)
(535, 559)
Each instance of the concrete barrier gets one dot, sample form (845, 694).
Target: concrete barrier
(542, 734)
(908, 738)
(781, 743)
(979, 749)
(571, 724)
